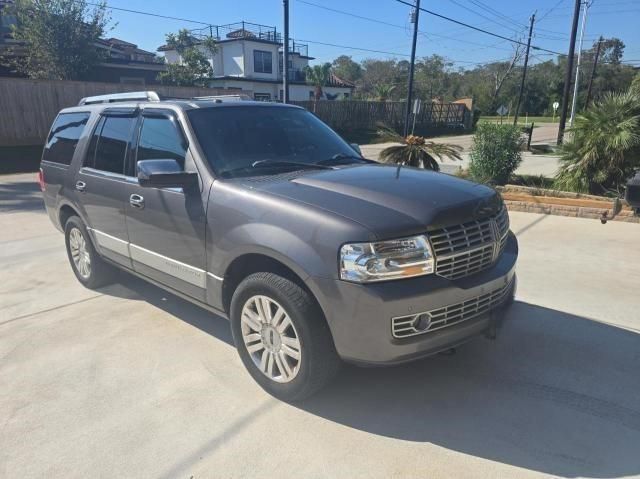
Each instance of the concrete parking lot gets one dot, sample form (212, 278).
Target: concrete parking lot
(130, 381)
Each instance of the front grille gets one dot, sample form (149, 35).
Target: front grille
(405, 326)
(467, 248)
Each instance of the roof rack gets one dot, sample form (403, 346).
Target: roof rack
(116, 97)
(153, 96)
(221, 98)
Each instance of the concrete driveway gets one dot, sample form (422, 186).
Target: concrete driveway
(546, 165)
(131, 381)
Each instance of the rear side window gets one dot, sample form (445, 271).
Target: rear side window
(64, 136)
(109, 143)
(160, 139)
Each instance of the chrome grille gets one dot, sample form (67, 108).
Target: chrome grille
(467, 248)
(405, 326)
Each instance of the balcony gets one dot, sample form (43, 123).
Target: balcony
(245, 30)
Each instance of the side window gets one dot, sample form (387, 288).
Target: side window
(112, 143)
(160, 139)
(64, 136)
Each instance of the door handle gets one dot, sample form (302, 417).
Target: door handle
(81, 185)
(136, 201)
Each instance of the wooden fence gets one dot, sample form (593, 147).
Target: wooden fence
(345, 115)
(28, 107)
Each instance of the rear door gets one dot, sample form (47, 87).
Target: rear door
(166, 226)
(101, 184)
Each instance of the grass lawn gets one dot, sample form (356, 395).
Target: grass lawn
(521, 119)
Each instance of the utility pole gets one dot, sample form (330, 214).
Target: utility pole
(407, 113)
(569, 73)
(577, 81)
(593, 72)
(524, 71)
(285, 54)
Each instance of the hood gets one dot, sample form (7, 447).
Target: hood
(390, 201)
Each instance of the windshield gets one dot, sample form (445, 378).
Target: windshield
(245, 141)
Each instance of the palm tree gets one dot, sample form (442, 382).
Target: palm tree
(318, 76)
(383, 91)
(416, 151)
(604, 148)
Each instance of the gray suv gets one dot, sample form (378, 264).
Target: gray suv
(262, 214)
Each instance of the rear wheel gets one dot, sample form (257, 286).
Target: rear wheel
(87, 265)
(282, 337)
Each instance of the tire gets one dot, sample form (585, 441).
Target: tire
(96, 272)
(289, 379)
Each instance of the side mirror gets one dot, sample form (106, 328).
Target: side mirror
(356, 147)
(164, 174)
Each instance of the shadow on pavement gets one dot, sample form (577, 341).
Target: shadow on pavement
(20, 196)
(555, 393)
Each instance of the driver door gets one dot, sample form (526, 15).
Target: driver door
(166, 226)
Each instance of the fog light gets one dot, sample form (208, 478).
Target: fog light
(422, 322)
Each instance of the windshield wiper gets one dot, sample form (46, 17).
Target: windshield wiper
(342, 158)
(268, 163)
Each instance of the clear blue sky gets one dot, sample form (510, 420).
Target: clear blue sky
(619, 18)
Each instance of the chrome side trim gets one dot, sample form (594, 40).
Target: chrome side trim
(185, 272)
(111, 242)
(215, 277)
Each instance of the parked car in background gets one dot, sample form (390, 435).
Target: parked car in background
(262, 214)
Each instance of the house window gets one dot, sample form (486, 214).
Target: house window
(262, 61)
(262, 97)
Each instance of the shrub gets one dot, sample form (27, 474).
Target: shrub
(495, 153)
(603, 148)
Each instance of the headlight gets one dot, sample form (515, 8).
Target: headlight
(385, 260)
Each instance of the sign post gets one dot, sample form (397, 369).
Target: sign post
(555, 109)
(502, 111)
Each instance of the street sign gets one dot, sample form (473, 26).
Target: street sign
(502, 110)
(416, 106)
(555, 109)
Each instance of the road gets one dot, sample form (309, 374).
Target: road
(130, 381)
(545, 165)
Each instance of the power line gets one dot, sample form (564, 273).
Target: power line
(455, 2)
(395, 25)
(149, 14)
(353, 48)
(444, 17)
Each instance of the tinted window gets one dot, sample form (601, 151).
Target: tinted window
(235, 138)
(112, 143)
(262, 62)
(62, 141)
(160, 139)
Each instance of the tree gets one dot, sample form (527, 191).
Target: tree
(604, 147)
(59, 38)
(416, 151)
(194, 67)
(345, 68)
(383, 91)
(318, 76)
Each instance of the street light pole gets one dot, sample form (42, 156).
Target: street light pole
(285, 54)
(524, 71)
(569, 72)
(577, 82)
(407, 112)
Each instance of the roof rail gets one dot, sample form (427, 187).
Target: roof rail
(221, 98)
(116, 97)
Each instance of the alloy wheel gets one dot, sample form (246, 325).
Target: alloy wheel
(80, 253)
(271, 339)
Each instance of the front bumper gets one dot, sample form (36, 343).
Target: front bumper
(360, 316)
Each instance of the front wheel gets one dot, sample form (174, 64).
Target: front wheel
(282, 337)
